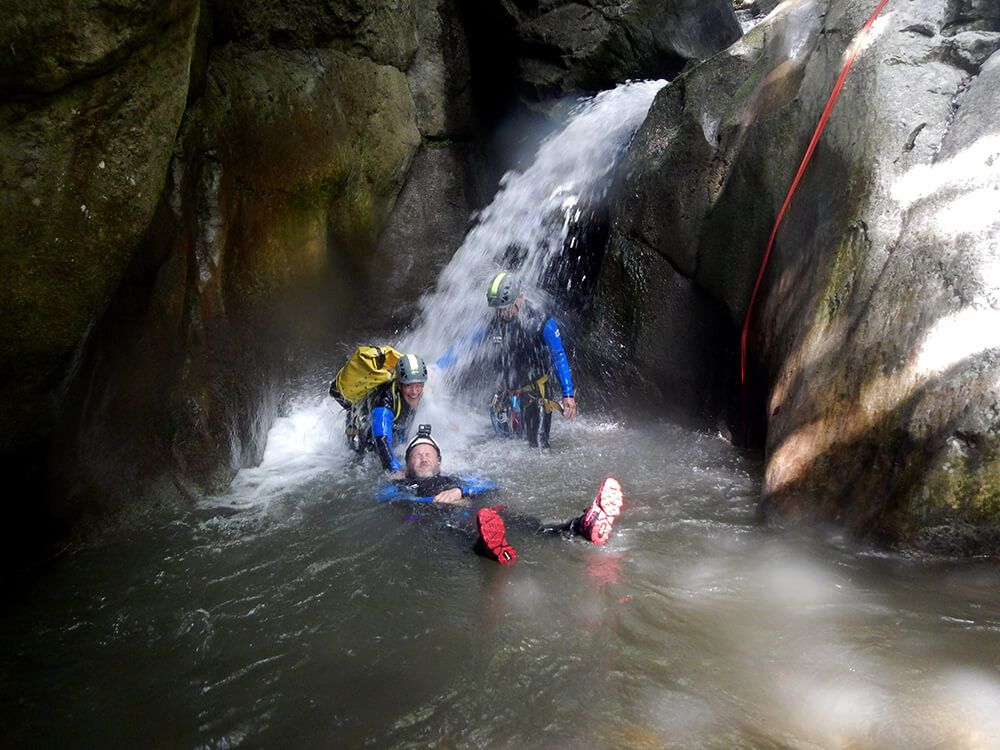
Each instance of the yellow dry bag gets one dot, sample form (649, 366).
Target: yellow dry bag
(367, 368)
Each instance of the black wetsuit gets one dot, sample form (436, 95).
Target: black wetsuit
(423, 491)
(529, 346)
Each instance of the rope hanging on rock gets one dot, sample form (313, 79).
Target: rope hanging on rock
(845, 69)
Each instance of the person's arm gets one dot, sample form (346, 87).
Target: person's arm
(382, 423)
(443, 489)
(474, 485)
(560, 365)
(468, 341)
(468, 487)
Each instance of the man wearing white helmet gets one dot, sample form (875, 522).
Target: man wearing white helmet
(424, 483)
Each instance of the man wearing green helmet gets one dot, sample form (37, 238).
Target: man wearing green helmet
(530, 347)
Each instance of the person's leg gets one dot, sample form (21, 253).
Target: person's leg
(529, 415)
(492, 541)
(546, 425)
(533, 413)
(352, 432)
(597, 520)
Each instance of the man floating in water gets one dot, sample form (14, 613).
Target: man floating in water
(424, 483)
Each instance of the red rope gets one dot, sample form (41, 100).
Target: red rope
(852, 54)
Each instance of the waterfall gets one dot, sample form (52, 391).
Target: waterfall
(530, 217)
(533, 211)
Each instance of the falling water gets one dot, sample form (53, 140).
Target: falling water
(531, 217)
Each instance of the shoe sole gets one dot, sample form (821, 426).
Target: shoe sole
(494, 536)
(600, 516)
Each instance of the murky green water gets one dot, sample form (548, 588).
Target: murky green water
(297, 612)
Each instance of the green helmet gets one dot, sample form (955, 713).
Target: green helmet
(411, 369)
(503, 289)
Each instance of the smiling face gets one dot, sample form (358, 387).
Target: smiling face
(412, 393)
(423, 462)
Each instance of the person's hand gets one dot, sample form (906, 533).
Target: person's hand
(394, 475)
(569, 407)
(451, 497)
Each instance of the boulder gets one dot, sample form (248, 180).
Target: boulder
(277, 225)
(94, 96)
(440, 77)
(872, 337)
(384, 31)
(565, 46)
(428, 225)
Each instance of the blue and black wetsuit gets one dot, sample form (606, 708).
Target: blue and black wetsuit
(390, 418)
(529, 346)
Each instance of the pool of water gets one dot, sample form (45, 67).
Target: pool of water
(296, 612)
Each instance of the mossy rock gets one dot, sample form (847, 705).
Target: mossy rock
(79, 183)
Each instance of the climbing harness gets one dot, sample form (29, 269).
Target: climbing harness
(505, 410)
(852, 53)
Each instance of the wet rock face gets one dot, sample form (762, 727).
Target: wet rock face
(381, 30)
(162, 239)
(271, 219)
(50, 45)
(93, 96)
(563, 47)
(873, 337)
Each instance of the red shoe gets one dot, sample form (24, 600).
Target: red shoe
(600, 516)
(493, 537)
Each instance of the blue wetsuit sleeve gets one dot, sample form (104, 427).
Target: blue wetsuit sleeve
(393, 492)
(466, 342)
(474, 485)
(553, 340)
(388, 494)
(382, 423)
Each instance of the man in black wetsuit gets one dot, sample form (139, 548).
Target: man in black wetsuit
(424, 483)
(529, 348)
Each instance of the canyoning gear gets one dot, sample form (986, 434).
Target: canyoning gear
(524, 411)
(367, 368)
(528, 347)
(423, 438)
(411, 369)
(503, 289)
(505, 414)
(596, 522)
(492, 541)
